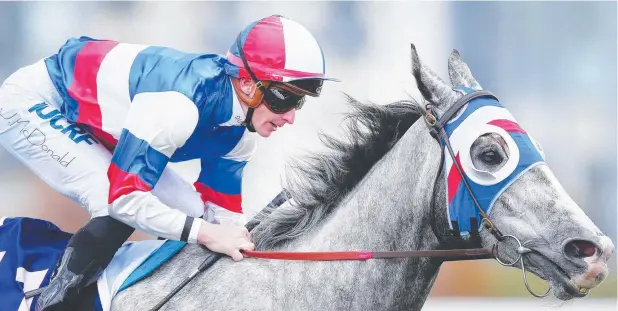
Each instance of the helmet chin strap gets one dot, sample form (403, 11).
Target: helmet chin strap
(248, 123)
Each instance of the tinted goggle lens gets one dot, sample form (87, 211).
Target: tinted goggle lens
(280, 101)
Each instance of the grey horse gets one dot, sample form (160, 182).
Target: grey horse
(373, 190)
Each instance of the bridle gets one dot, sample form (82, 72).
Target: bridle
(436, 128)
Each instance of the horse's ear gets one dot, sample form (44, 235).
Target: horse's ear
(433, 89)
(460, 73)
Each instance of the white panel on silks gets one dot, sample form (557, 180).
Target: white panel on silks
(166, 129)
(113, 86)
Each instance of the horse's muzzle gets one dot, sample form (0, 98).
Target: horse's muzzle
(593, 254)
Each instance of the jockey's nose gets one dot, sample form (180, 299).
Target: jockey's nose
(289, 116)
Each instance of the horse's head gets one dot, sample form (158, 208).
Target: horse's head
(505, 169)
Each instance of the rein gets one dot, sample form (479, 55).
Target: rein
(449, 254)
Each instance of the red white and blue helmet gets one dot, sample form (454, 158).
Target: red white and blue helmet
(278, 49)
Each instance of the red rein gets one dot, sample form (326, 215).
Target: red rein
(447, 254)
(349, 255)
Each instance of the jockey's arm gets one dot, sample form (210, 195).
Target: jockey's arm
(152, 132)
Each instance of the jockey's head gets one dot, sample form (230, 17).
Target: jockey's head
(275, 63)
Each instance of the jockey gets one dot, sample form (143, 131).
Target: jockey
(100, 120)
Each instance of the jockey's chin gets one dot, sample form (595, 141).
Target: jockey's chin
(266, 122)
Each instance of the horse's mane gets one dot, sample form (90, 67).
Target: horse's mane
(318, 182)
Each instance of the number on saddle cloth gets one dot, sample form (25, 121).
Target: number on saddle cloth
(29, 250)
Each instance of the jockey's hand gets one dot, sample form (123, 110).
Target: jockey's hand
(225, 238)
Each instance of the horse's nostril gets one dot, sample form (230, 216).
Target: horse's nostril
(581, 249)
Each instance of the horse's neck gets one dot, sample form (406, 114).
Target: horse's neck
(389, 210)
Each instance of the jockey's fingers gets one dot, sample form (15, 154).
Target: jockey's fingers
(247, 246)
(236, 255)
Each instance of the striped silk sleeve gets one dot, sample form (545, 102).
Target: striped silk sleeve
(151, 134)
(220, 183)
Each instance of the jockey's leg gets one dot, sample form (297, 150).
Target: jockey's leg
(70, 161)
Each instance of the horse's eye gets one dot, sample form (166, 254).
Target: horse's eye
(491, 157)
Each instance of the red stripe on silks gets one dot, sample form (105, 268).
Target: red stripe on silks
(231, 202)
(121, 183)
(265, 43)
(105, 138)
(453, 179)
(349, 255)
(84, 85)
(508, 125)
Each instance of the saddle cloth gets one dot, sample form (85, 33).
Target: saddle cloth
(132, 262)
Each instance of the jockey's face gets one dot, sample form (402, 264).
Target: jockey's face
(265, 121)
